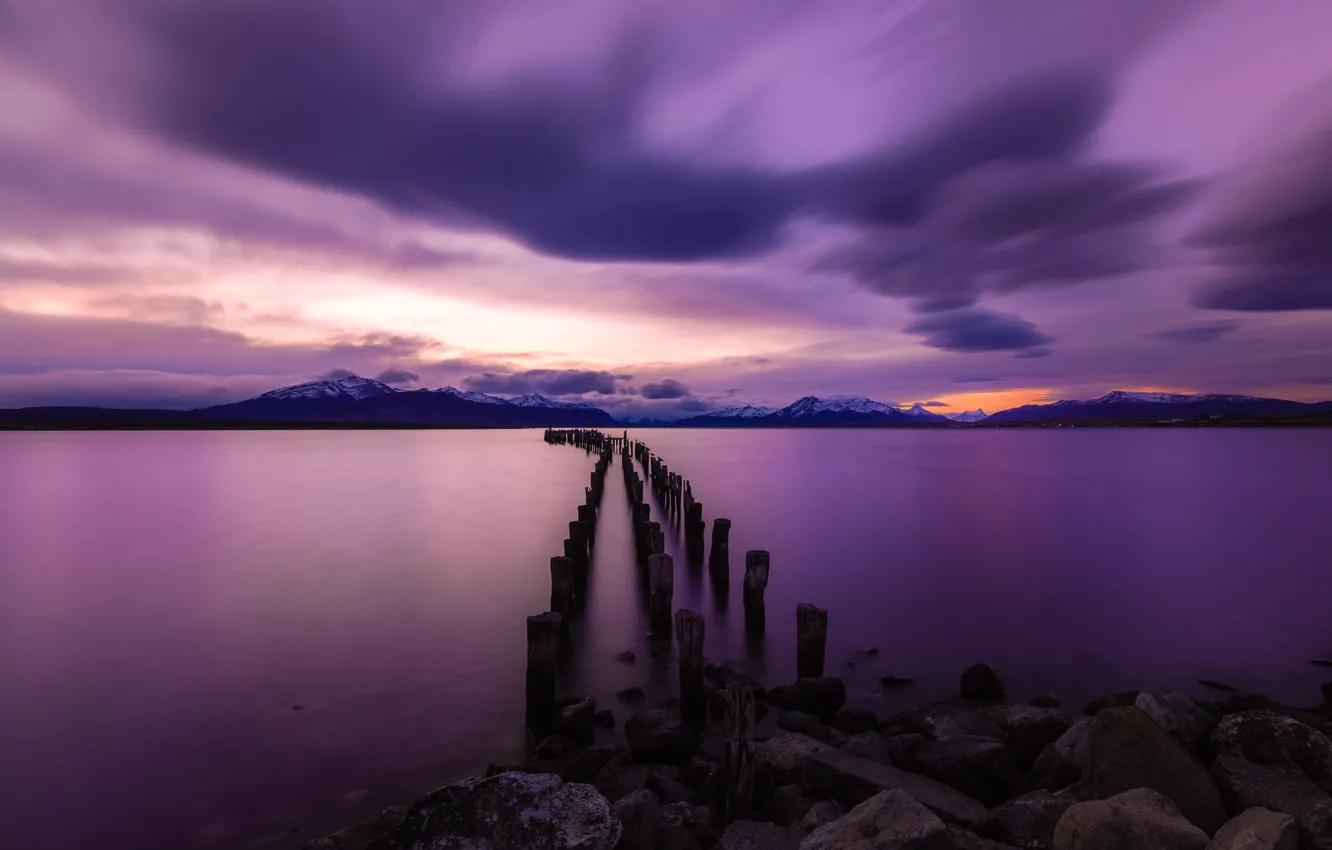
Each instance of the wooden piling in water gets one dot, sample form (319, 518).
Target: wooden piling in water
(738, 758)
(694, 530)
(811, 639)
(578, 534)
(756, 582)
(661, 593)
(562, 587)
(543, 645)
(719, 558)
(689, 632)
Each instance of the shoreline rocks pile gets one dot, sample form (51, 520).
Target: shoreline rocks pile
(1136, 770)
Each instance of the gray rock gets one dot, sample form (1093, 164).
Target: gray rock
(621, 782)
(1029, 820)
(853, 721)
(852, 780)
(668, 788)
(512, 810)
(784, 754)
(1045, 701)
(982, 768)
(1258, 829)
(1061, 763)
(900, 747)
(1268, 738)
(659, 735)
(821, 696)
(676, 837)
(697, 772)
(1316, 827)
(677, 814)
(577, 719)
(979, 682)
(1245, 785)
(1126, 750)
(640, 817)
(1115, 700)
(1027, 729)
(605, 719)
(957, 838)
(1178, 715)
(805, 724)
(1140, 819)
(631, 695)
(788, 804)
(890, 820)
(868, 745)
(587, 765)
(748, 835)
(940, 720)
(822, 812)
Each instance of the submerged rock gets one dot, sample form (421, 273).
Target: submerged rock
(819, 814)
(1134, 820)
(821, 696)
(659, 735)
(853, 721)
(981, 683)
(508, 812)
(1126, 750)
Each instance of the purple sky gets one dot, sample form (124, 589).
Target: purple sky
(664, 207)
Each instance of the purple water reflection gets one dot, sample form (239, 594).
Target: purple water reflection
(170, 598)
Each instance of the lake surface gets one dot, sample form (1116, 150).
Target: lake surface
(209, 638)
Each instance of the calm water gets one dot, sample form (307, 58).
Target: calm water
(207, 639)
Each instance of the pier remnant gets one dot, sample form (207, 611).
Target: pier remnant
(738, 759)
(543, 644)
(811, 640)
(689, 631)
(756, 582)
(661, 591)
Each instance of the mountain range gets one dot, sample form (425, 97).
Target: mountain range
(353, 401)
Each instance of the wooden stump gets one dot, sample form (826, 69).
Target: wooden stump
(811, 639)
(543, 646)
(578, 534)
(738, 760)
(587, 515)
(661, 592)
(756, 582)
(719, 559)
(689, 631)
(562, 587)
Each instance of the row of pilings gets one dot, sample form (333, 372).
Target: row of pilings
(675, 496)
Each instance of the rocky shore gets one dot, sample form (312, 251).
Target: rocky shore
(1137, 770)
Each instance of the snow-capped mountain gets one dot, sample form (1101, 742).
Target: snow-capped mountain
(976, 415)
(924, 414)
(351, 387)
(538, 400)
(812, 405)
(1120, 404)
(748, 411)
(362, 400)
(469, 395)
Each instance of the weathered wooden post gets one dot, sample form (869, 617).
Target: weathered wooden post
(543, 645)
(689, 630)
(719, 559)
(661, 592)
(756, 581)
(562, 587)
(656, 539)
(811, 639)
(694, 530)
(578, 534)
(738, 758)
(587, 515)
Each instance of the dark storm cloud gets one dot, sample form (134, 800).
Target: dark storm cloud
(545, 382)
(1272, 237)
(934, 404)
(397, 377)
(337, 375)
(977, 379)
(337, 97)
(668, 388)
(1198, 334)
(979, 330)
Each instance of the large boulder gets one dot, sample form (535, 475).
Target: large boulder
(1266, 737)
(821, 696)
(1245, 785)
(1027, 729)
(1126, 750)
(890, 820)
(1061, 763)
(784, 754)
(851, 781)
(940, 720)
(749, 835)
(868, 745)
(979, 767)
(1140, 819)
(1115, 700)
(822, 812)
(1316, 827)
(577, 719)
(640, 818)
(1029, 820)
(511, 811)
(659, 735)
(787, 804)
(854, 721)
(1180, 716)
(587, 765)
(981, 683)
(1258, 829)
